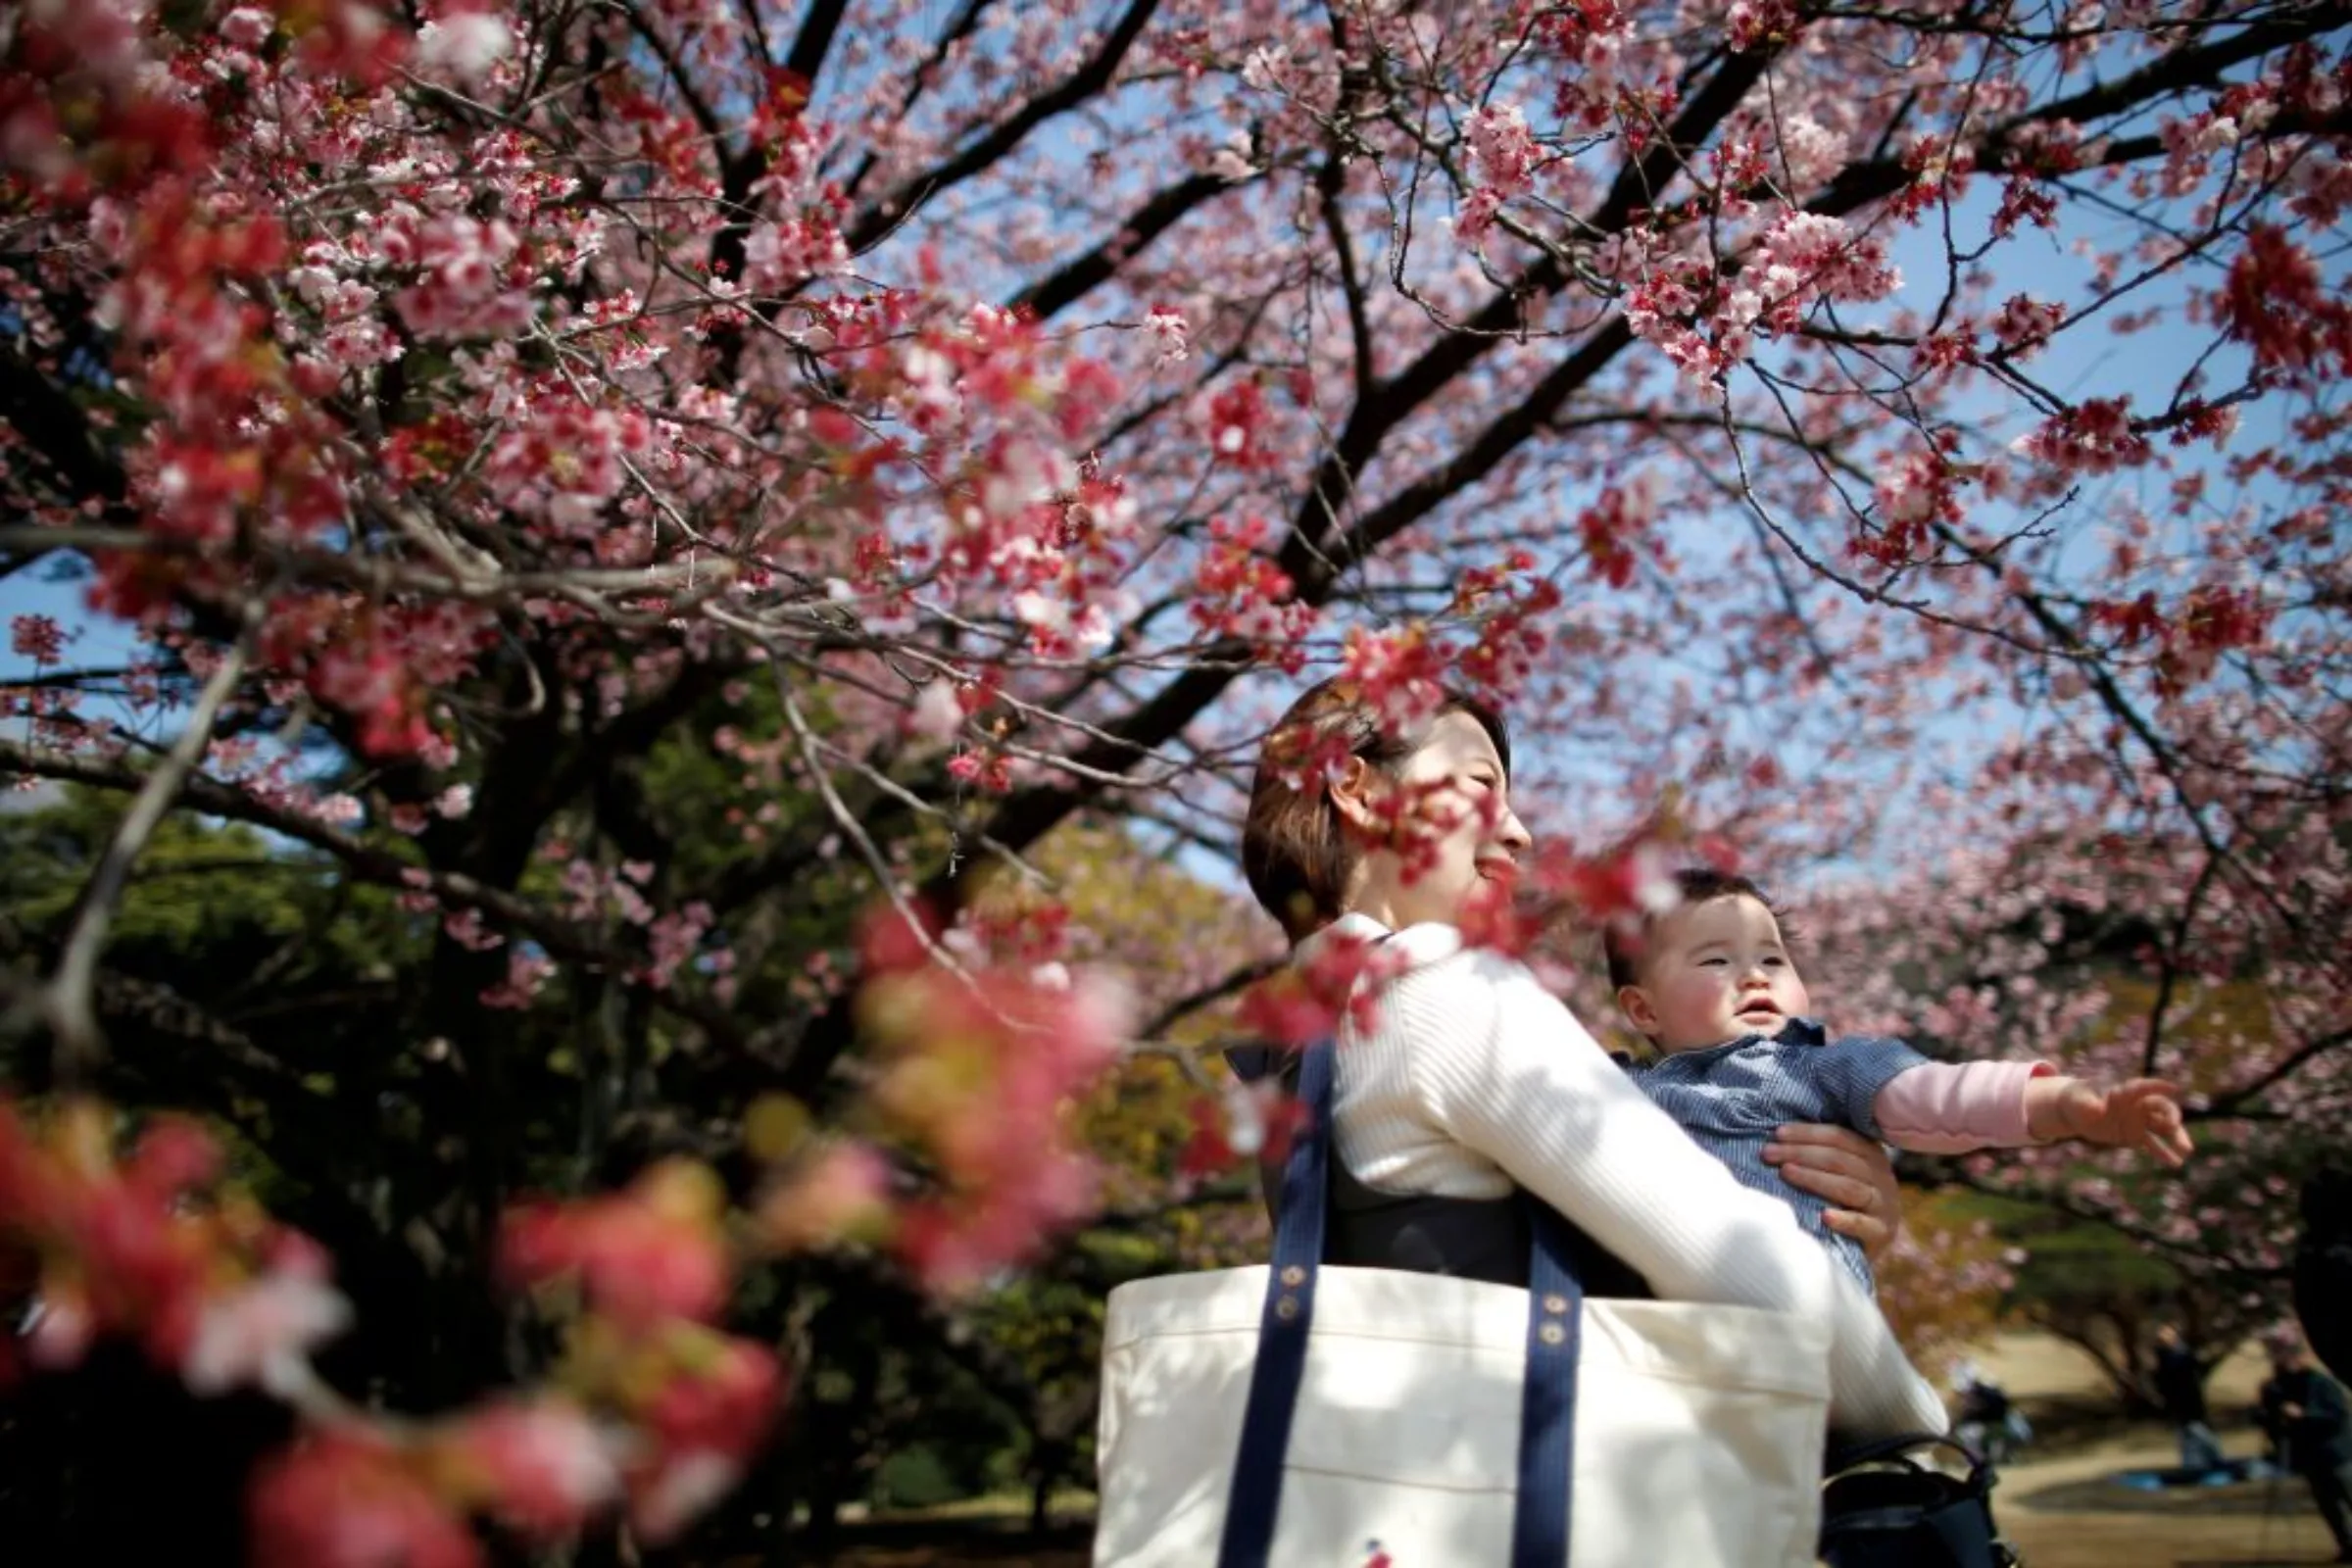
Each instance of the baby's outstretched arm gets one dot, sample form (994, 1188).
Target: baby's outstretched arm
(2143, 1114)
(1947, 1108)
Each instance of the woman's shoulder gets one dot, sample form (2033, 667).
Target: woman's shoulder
(1444, 952)
(1433, 974)
(1426, 945)
(1419, 947)
(1429, 960)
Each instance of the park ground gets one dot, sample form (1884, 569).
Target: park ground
(2063, 1509)
(2058, 1502)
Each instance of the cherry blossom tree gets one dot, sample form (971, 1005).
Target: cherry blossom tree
(637, 487)
(2109, 952)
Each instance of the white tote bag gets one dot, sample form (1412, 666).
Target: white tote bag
(1293, 1413)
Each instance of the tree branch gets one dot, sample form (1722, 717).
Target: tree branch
(67, 1001)
(1055, 293)
(560, 937)
(814, 40)
(900, 202)
(2226, 1104)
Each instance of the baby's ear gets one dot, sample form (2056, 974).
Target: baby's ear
(1634, 1002)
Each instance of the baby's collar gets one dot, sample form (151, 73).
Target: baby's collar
(1795, 1032)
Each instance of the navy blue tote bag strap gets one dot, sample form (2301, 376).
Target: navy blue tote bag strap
(1255, 1496)
(1555, 1316)
(1548, 1400)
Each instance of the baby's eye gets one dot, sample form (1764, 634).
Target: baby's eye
(1776, 963)
(1713, 963)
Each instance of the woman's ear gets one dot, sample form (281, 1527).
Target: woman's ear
(1354, 792)
(1634, 1002)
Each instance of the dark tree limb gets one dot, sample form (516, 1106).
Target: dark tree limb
(1055, 293)
(814, 40)
(871, 227)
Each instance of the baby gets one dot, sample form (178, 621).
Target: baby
(1712, 985)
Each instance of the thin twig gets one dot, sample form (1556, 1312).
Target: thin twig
(812, 759)
(67, 1001)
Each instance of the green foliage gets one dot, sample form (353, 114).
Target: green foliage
(2106, 1292)
(332, 1038)
(255, 909)
(2072, 1265)
(919, 1477)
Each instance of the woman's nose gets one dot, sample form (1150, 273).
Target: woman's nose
(1512, 833)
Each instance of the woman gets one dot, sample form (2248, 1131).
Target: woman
(1471, 1080)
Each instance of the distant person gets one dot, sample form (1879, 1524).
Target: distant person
(1990, 1425)
(2310, 1432)
(2180, 1392)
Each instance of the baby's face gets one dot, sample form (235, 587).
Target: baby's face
(1713, 972)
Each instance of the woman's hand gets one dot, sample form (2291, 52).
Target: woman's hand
(1849, 1170)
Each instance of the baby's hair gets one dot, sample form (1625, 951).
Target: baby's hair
(1697, 884)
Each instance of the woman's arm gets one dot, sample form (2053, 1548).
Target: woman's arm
(1506, 1071)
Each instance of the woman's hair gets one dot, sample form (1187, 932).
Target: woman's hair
(1294, 846)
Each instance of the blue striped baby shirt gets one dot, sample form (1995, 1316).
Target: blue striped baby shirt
(1730, 1098)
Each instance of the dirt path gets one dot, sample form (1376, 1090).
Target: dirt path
(2068, 1513)
(2071, 1513)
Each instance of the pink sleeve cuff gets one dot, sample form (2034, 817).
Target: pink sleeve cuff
(1942, 1108)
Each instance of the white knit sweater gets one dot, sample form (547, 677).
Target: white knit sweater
(1473, 1078)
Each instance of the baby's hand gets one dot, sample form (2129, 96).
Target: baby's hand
(2143, 1114)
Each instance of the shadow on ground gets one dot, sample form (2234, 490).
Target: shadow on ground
(2107, 1494)
(935, 1544)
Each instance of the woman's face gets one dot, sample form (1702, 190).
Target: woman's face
(1446, 811)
